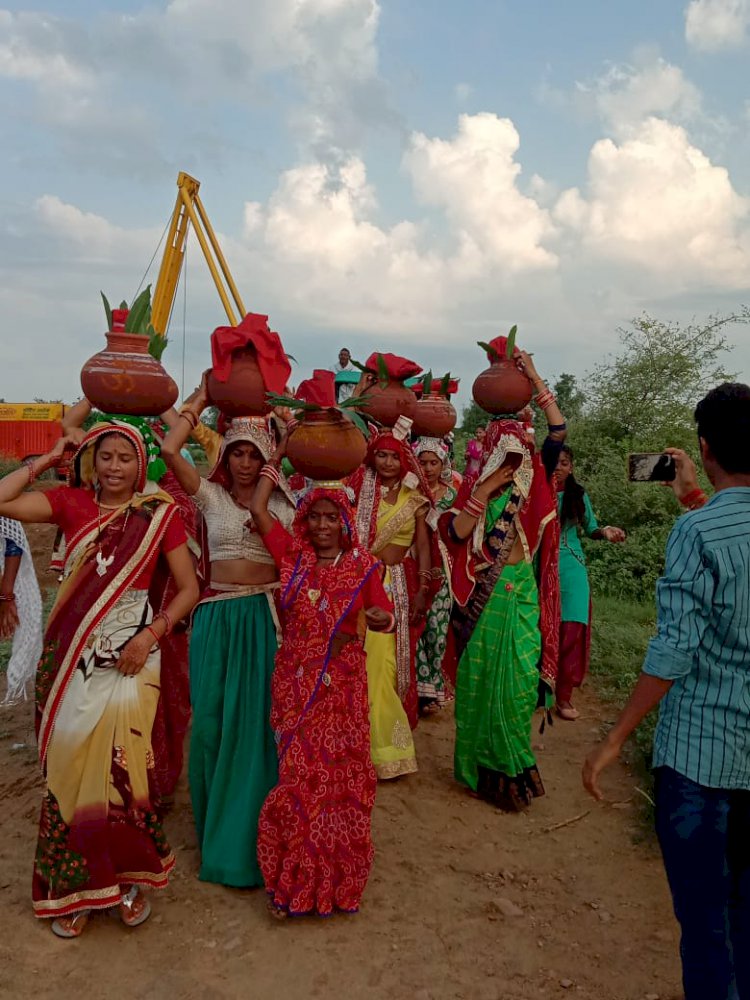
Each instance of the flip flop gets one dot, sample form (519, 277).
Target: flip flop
(75, 928)
(127, 905)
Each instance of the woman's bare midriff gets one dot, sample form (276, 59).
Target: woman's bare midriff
(517, 553)
(243, 571)
(392, 555)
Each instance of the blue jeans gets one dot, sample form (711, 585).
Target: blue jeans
(704, 835)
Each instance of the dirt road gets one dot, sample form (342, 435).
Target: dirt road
(464, 903)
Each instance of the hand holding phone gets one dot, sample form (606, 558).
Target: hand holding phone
(647, 467)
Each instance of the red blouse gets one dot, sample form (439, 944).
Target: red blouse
(74, 508)
(281, 545)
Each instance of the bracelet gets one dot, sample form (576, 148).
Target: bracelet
(167, 621)
(7, 597)
(694, 499)
(157, 638)
(29, 463)
(270, 472)
(545, 399)
(474, 507)
(557, 428)
(190, 417)
(426, 573)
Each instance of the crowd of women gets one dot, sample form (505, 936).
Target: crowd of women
(317, 623)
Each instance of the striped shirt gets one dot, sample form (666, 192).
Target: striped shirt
(703, 645)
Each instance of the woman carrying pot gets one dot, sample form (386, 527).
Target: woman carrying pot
(97, 684)
(392, 505)
(436, 668)
(504, 536)
(576, 516)
(314, 843)
(232, 764)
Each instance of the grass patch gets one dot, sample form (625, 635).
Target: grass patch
(620, 633)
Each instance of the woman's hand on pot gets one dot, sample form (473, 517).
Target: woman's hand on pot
(134, 653)
(526, 364)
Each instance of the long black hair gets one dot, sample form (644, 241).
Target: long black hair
(573, 509)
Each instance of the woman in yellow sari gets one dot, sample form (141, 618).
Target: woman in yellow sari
(98, 680)
(392, 507)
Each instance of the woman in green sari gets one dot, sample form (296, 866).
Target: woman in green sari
(504, 537)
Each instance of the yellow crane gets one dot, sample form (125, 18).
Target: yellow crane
(188, 211)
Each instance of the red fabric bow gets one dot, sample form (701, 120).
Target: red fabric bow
(500, 344)
(253, 331)
(398, 368)
(320, 389)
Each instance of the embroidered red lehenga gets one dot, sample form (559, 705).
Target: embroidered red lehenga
(314, 844)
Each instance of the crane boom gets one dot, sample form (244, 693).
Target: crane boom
(189, 211)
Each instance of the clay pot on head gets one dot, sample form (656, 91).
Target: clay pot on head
(435, 416)
(325, 445)
(386, 403)
(244, 392)
(502, 388)
(125, 378)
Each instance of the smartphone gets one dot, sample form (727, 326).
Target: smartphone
(648, 468)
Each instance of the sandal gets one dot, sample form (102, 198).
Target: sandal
(276, 912)
(567, 712)
(135, 909)
(71, 927)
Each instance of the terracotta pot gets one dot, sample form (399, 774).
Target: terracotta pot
(244, 392)
(435, 416)
(389, 402)
(502, 388)
(125, 378)
(325, 445)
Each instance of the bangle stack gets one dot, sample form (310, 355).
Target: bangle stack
(271, 472)
(474, 508)
(29, 463)
(694, 499)
(545, 398)
(426, 577)
(7, 597)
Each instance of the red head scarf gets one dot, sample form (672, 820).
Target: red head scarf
(397, 367)
(320, 389)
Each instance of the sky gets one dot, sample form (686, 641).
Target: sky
(398, 175)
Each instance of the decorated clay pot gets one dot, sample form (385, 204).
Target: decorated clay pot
(435, 416)
(125, 378)
(502, 388)
(244, 392)
(387, 402)
(325, 445)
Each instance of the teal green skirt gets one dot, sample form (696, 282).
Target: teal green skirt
(496, 694)
(233, 762)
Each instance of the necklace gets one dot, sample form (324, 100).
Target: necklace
(385, 491)
(313, 593)
(104, 562)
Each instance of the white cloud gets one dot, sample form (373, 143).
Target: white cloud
(42, 49)
(713, 25)
(657, 203)
(463, 92)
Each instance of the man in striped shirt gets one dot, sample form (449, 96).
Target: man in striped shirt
(698, 669)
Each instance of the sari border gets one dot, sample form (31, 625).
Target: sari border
(103, 899)
(120, 584)
(392, 526)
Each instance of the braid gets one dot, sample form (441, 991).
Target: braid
(573, 509)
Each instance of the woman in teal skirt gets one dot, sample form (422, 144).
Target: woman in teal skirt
(233, 760)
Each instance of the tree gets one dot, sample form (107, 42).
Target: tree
(648, 391)
(473, 416)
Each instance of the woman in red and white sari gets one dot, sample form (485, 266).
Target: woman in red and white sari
(97, 684)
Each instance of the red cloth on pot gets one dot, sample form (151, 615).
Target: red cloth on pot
(320, 389)
(398, 368)
(500, 344)
(252, 331)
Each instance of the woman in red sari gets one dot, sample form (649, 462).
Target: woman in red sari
(314, 844)
(98, 681)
